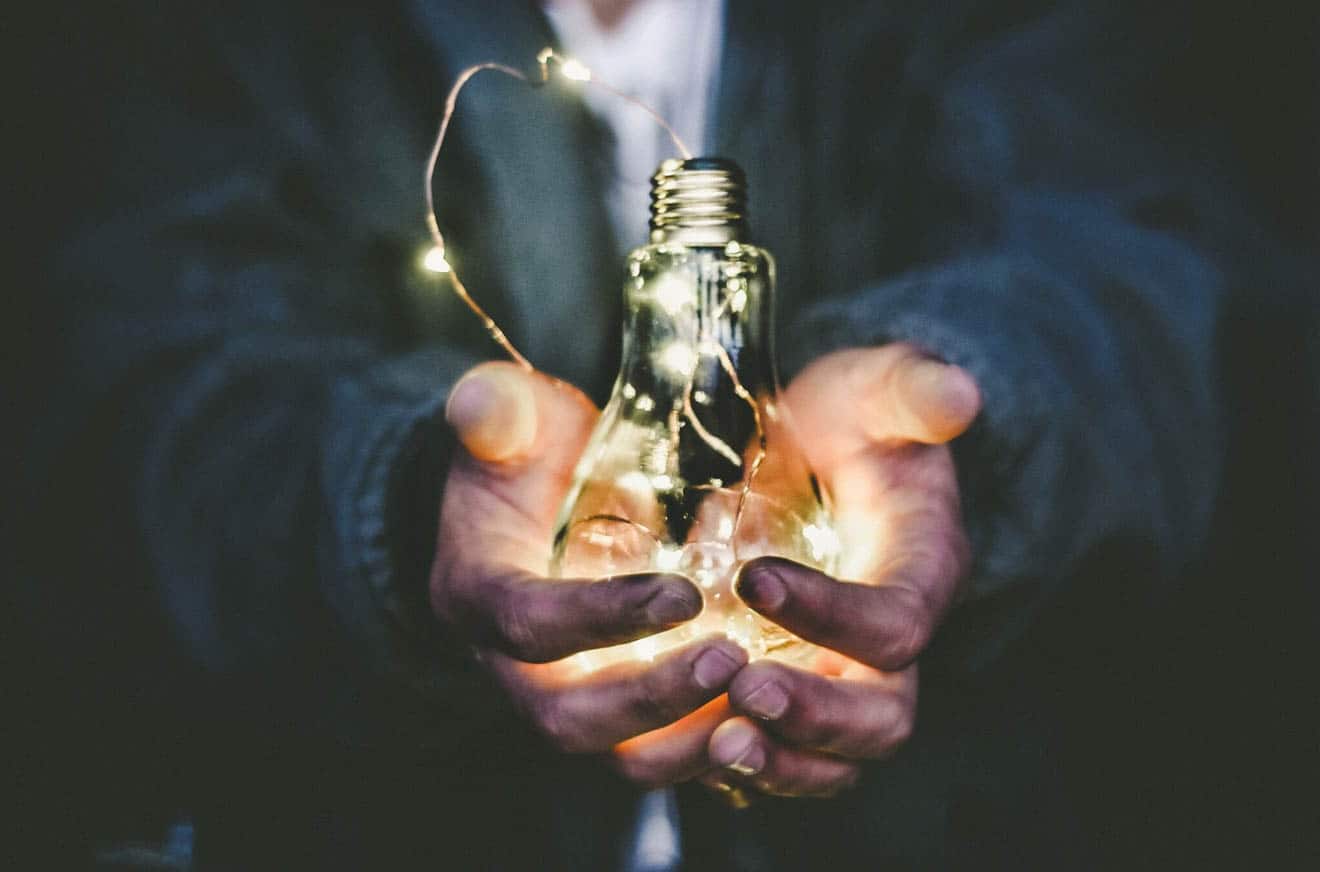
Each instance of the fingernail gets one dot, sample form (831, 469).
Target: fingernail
(737, 750)
(673, 606)
(714, 668)
(955, 390)
(762, 589)
(768, 702)
(946, 396)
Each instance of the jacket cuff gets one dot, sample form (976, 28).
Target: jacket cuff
(384, 467)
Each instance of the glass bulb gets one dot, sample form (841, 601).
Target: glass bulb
(693, 466)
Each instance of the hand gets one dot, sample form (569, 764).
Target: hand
(874, 424)
(522, 434)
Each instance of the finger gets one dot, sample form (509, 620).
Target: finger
(867, 719)
(674, 753)
(914, 397)
(895, 392)
(492, 408)
(885, 625)
(501, 514)
(536, 619)
(748, 751)
(593, 713)
(512, 421)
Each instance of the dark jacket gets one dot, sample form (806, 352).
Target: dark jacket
(246, 434)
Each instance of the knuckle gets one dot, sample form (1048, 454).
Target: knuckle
(894, 728)
(815, 727)
(827, 616)
(555, 725)
(910, 630)
(514, 625)
(901, 731)
(654, 702)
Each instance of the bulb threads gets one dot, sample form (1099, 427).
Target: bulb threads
(698, 201)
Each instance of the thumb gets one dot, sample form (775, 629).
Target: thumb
(523, 433)
(492, 408)
(913, 397)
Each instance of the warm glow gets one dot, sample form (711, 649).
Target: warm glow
(679, 357)
(668, 557)
(673, 293)
(635, 481)
(824, 541)
(646, 649)
(662, 482)
(574, 70)
(434, 260)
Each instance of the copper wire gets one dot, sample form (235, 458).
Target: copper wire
(543, 59)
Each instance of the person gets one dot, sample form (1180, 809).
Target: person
(1000, 298)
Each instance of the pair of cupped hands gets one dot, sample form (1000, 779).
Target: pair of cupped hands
(874, 424)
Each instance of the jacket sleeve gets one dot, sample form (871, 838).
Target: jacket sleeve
(1063, 263)
(267, 435)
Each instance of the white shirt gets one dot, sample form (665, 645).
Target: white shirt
(667, 54)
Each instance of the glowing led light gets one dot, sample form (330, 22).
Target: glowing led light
(629, 391)
(645, 403)
(434, 260)
(679, 357)
(655, 459)
(700, 396)
(673, 293)
(667, 557)
(824, 541)
(573, 69)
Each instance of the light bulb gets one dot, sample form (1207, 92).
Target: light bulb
(674, 477)
(434, 260)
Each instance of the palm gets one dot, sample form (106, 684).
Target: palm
(874, 424)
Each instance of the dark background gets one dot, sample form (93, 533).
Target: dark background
(1197, 743)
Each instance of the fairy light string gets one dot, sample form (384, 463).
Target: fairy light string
(435, 260)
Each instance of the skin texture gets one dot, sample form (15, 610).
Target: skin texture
(522, 433)
(875, 423)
